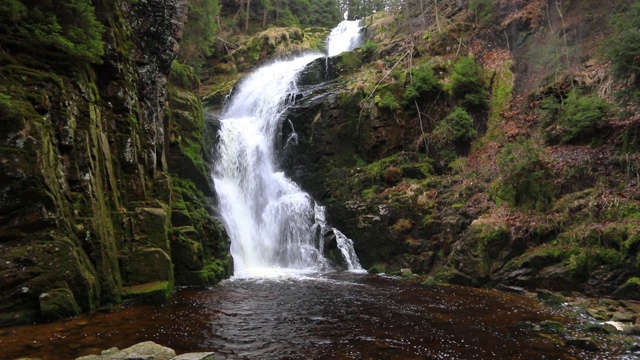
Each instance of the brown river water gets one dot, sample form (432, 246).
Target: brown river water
(315, 316)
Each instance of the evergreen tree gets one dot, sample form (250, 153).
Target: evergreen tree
(55, 29)
(199, 31)
(623, 48)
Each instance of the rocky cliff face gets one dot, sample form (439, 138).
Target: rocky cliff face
(96, 204)
(509, 199)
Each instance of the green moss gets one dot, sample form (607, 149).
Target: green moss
(370, 193)
(501, 94)
(58, 304)
(183, 76)
(215, 94)
(315, 38)
(369, 49)
(377, 269)
(155, 292)
(349, 62)
(633, 280)
(389, 169)
(443, 275)
(216, 271)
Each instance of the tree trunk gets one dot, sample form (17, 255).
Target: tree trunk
(246, 21)
(265, 14)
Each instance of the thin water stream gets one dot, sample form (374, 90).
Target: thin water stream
(302, 315)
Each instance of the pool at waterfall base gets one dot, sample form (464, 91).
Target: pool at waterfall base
(308, 315)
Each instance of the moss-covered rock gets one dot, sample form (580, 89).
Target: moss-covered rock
(155, 292)
(145, 265)
(152, 227)
(84, 163)
(58, 304)
(483, 249)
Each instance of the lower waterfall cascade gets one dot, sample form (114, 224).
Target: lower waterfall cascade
(272, 222)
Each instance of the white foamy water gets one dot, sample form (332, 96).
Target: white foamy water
(270, 220)
(344, 37)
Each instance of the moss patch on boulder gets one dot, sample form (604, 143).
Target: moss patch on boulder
(155, 292)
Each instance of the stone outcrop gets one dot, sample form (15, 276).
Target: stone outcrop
(93, 202)
(147, 351)
(411, 199)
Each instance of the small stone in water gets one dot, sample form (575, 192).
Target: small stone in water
(583, 343)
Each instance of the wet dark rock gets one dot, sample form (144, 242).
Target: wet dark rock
(459, 278)
(623, 316)
(406, 272)
(551, 327)
(58, 304)
(550, 298)
(598, 314)
(510, 289)
(560, 278)
(633, 330)
(318, 71)
(628, 290)
(583, 343)
(196, 356)
(606, 329)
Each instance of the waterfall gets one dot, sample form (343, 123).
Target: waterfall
(270, 220)
(344, 37)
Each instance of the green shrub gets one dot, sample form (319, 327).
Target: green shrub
(574, 119)
(58, 30)
(423, 83)
(482, 10)
(387, 101)
(467, 84)
(581, 115)
(525, 179)
(368, 49)
(623, 47)
(457, 126)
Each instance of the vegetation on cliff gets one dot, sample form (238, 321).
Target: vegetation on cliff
(469, 142)
(61, 31)
(466, 140)
(105, 190)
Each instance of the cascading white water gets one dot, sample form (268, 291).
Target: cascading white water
(269, 218)
(344, 37)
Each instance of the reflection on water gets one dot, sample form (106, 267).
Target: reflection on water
(310, 316)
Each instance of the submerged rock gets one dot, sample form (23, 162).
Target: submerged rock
(584, 343)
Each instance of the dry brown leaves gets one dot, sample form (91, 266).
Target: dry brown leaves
(527, 12)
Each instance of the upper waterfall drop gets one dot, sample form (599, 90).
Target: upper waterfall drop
(272, 223)
(344, 37)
